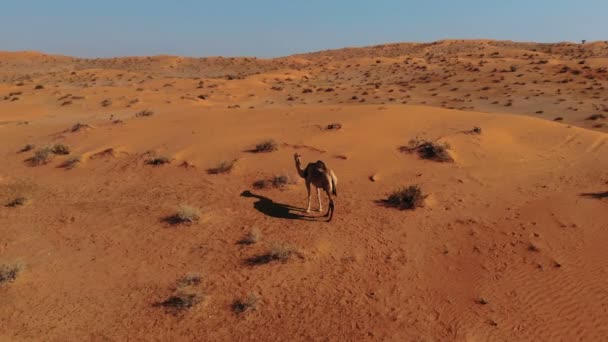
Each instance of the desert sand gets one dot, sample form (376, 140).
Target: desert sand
(508, 245)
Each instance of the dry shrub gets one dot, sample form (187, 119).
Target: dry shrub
(429, 150)
(406, 198)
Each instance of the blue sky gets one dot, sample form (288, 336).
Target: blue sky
(268, 28)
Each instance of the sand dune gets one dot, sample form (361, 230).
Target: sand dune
(508, 245)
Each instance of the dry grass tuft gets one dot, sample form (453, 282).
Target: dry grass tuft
(223, 167)
(158, 160)
(266, 146)
(279, 182)
(180, 302)
(277, 252)
(72, 162)
(185, 215)
(144, 113)
(406, 198)
(428, 150)
(18, 202)
(251, 238)
(250, 303)
(8, 273)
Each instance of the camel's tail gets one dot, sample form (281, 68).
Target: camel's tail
(334, 183)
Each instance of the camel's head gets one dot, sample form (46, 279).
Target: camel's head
(297, 157)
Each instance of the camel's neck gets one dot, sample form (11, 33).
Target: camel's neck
(301, 172)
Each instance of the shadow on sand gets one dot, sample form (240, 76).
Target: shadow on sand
(273, 209)
(596, 195)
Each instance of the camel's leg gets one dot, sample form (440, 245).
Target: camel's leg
(330, 209)
(308, 189)
(319, 199)
(330, 206)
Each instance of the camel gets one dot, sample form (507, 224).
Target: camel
(319, 175)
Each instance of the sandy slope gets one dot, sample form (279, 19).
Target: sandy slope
(506, 222)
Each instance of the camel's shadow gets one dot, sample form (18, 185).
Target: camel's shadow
(273, 209)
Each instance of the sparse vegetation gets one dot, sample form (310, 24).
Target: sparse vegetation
(8, 273)
(429, 150)
(180, 302)
(223, 167)
(533, 248)
(277, 252)
(72, 162)
(251, 238)
(17, 202)
(334, 126)
(27, 148)
(407, 198)
(60, 149)
(595, 117)
(475, 130)
(249, 303)
(41, 156)
(190, 279)
(79, 127)
(158, 160)
(106, 103)
(185, 215)
(481, 301)
(38, 87)
(279, 182)
(266, 146)
(144, 113)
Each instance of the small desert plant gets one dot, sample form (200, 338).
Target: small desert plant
(158, 160)
(144, 113)
(42, 156)
(27, 148)
(60, 149)
(17, 202)
(282, 252)
(262, 184)
(481, 301)
(240, 306)
(185, 214)
(78, 127)
(596, 117)
(334, 126)
(189, 279)
(223, 167)
(277, 252)
(38, 87)
(180, 301)
(9, 273)
(72, 162)
(106, 103)
(278, 181)
(475, 130)
(533, 248)
(429, 150)
(410, 197)
(265, 146)
(251, 238)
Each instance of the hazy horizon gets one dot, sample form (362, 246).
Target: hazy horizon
(274, 29)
